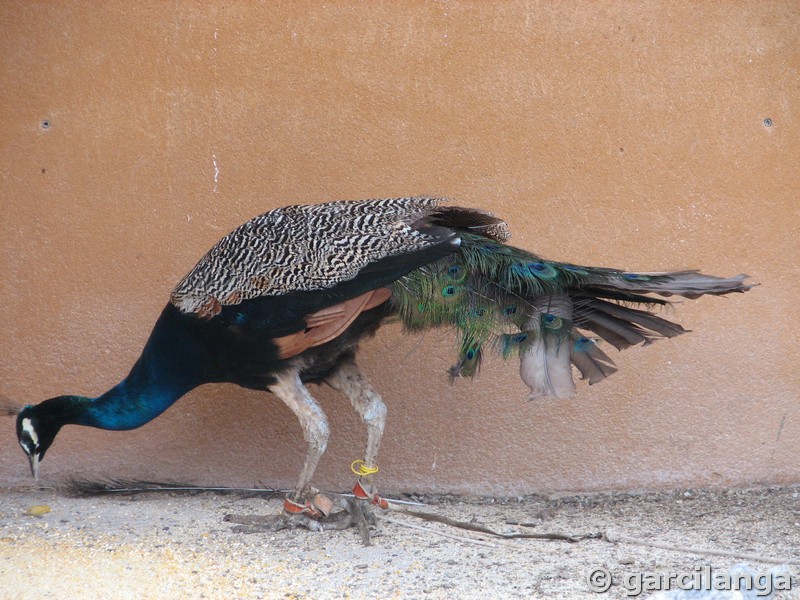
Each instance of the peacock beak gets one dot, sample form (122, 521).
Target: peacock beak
(33, 459)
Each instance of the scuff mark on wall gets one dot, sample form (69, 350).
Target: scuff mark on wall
(216, 172)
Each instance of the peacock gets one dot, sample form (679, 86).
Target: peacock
(284, 300)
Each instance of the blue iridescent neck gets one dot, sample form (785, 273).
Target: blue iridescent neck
(168, 368)
(133, 402)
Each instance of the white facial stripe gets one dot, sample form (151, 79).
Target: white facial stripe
(27, 427)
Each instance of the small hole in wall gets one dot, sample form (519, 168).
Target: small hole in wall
(767, 122)
(45, 124)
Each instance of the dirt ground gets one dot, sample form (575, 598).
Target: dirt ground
(176, 545)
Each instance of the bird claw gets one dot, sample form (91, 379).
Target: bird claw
(273, 523)
(316, 516)
(257, 523)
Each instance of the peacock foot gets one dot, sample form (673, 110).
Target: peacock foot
(262, 523)
(321, 514)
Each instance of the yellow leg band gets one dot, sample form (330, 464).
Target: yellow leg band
(358, 467)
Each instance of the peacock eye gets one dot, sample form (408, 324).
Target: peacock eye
(635, 277)
(27, 444)
(551, 321)
(456, 273)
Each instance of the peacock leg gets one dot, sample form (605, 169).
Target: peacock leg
(298, 511)
(349, 380)
(296, 396)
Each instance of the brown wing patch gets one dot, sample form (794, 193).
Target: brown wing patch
(232, 298)
(329, 323)
(210, 308)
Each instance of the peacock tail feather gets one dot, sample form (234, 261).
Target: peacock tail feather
(521, 305)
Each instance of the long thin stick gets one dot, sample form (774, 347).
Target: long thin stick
(91, 487)
(563, 537)
(435, 532)
(608, 536)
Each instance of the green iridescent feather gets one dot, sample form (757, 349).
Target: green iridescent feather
(497, 295)
(484, 291)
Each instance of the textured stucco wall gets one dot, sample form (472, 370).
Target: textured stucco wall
(617, 134)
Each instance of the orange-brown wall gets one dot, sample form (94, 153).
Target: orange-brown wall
(627, 134)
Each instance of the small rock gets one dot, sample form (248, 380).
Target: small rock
(546, 514)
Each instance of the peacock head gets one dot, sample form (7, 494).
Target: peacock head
(36, 430)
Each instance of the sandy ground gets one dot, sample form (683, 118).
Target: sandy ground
(176, 545)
